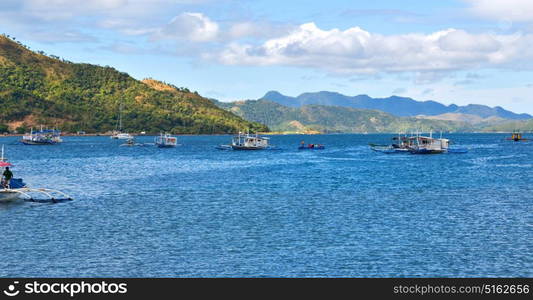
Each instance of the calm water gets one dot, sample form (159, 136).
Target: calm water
(345, 211)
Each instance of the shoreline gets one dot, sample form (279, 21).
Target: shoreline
(260, 133)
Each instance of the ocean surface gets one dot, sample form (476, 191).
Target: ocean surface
(194, 211)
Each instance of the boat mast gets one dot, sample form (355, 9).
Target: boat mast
(120, 116)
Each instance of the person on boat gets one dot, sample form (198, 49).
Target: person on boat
(7, 177)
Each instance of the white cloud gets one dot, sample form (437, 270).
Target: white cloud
(193, 27)
(355, 50)
(513, 10)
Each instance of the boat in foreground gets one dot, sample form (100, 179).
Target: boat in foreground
(16, 190)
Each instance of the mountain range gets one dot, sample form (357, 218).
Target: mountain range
(397, 106)
(334, 119)
(313, 118)
(36, 89)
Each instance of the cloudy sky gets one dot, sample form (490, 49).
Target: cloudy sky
(452, 51)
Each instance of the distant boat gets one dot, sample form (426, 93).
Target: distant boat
(516, 136)
(247, 142)
(42, 137)
(166, 141)
(118, 134)
(418, 144)
(427, 145)
(400, 145)
(121, 136)
(130, 143)
(303, 146)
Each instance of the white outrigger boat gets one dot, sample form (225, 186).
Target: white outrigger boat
(42, 137)
(418, 144)
(166, 141)
(247, 142)
(17, 190)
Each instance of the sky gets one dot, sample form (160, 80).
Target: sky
(451, 51)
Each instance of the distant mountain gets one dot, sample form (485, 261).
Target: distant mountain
(309, 118)
(39, 89)
(509, 126)
(398, 106)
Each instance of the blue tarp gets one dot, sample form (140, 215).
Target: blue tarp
(16, 183)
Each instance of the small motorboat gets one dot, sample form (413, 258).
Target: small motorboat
(517, 137)
(166, 141)
(303, 146)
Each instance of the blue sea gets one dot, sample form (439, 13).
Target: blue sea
(194, 211)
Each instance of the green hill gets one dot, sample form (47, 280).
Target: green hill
(334, 118)
(37, 89)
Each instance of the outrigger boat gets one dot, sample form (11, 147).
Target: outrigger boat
(247, 142)
(166, 141)
(517, 137)
(303, 146)
(17, 190)
(418, 144)
(427, 145)
(42, 137)
(399, 145)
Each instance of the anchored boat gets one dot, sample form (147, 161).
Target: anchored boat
(118, 134)
(400, 145)
(247, 142)
(427, 145)
(418, 144)
(166, 141)
(42, 137)
(303, 146)
(516, 136)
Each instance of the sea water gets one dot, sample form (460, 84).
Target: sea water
(195, 211)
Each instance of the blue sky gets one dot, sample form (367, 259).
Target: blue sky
(452, 51)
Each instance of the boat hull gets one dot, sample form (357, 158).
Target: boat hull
(311, 148)
(26, 142)
(427, 151)
(389, 150)
(234, 147)
(7, 196)
(165, 145)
